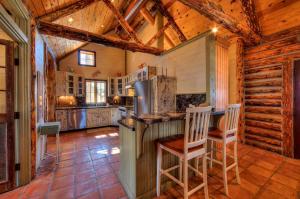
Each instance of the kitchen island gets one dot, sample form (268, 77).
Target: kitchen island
(138, 137)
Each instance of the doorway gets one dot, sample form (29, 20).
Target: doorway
(297, 109)
(7, 131)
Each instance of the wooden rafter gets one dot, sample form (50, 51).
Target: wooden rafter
(122, 21)
(158, 34)
(166, 14)
(133, 11)
(216, 14)
(169, 4)
(66, 10)
(147, 15)
(57, 30)
(251, 15)
(169, 41)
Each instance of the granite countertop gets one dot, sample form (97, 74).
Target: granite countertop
(128, 123)
(85, 107)
(156, 118)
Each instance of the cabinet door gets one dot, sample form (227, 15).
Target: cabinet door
(61, 116)
(92, 118)
(111, 86)
(104, 117)
(115, 116)
(80, 86)
(120, 86)
(70, 84)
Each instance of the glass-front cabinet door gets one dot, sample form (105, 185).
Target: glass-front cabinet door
(7, 154)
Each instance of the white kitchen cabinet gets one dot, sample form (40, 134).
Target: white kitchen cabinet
(112, 86)
(120, 86)
(69, 84)
(115, 116)
(61, 116)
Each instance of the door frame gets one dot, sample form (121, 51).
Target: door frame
(20, 33)
(9, 184)
(293, 102)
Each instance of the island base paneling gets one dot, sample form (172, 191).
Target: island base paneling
(138, 156)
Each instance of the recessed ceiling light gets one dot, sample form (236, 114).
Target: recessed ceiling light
(102, 26)
(70, 19)
(214, 29)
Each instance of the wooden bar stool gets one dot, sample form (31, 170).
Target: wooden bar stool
(186, 147)
(228, 135)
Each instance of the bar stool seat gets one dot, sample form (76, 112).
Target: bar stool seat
(218, 134)
(176, 143)
(51, 128)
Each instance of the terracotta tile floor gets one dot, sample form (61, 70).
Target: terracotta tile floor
(90, 162)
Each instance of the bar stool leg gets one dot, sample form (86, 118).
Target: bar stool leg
(236, 163)
(57, 148)
(204, 165)
(180, 170)
(224, 169)
(185, 178)
(158, 167)
(196, 165)
(211, 153)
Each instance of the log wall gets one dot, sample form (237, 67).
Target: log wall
(268, 92)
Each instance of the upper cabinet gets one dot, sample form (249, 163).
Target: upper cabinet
(119, 85)
(69, 84)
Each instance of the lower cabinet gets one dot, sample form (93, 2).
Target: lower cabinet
(95, 117)
(115, 116)
(62, 117)
(98, 117)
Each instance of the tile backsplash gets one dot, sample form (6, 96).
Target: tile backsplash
(183, 100)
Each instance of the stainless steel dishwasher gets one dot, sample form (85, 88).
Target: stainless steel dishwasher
(76, 119)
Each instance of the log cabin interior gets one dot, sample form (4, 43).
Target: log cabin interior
(146, 99)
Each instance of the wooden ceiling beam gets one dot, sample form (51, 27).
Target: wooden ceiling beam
(169, 40)
(158, 34)
(66, 10)
(135, 10)
(166, 14)
(216, 14)
(147, 15)
(248, 7)
(169, 4)
(57, 30)
(122, 21)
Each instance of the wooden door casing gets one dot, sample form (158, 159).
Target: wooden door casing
(8, 118)
(297, 109)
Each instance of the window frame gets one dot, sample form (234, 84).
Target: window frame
(95, 90)
(78, 57)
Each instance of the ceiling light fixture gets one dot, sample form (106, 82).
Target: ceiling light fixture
(102, 26)
(214, 29)
(70, 20)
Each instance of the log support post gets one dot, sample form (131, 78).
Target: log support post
(240, 86)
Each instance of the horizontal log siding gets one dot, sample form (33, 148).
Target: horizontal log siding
(268, 85)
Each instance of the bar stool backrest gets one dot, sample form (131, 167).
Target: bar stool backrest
(196, 126)
(232, 114)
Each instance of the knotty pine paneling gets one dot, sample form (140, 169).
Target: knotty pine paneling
(268, 85)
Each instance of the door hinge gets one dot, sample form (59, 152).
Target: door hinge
(17, 167)
(17, 61)
(17, 115)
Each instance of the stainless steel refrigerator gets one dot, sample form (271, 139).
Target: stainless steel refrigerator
(157, 95)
